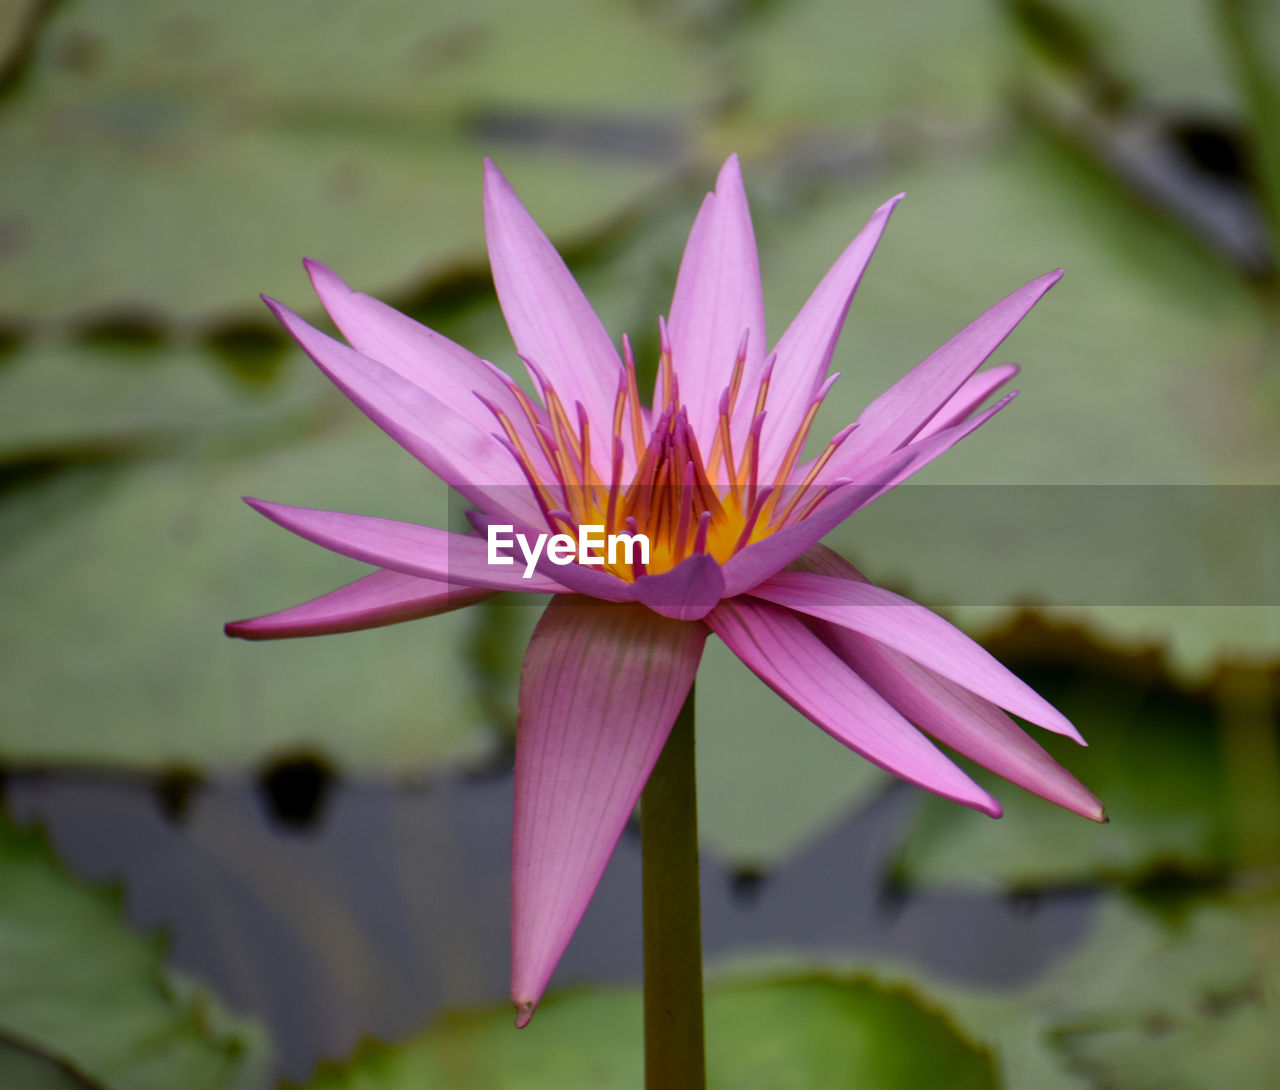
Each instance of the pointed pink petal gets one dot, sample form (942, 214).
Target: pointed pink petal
(687, 592)
(383, 598)
(460, 454)
(968, 724)
(447, 371)
(804, 352)
(757, 562)
(868, 483)
(600, 689)
(897, 415)
(550, 319)
(405, 547)
(778, 646)
(771, 554)
(917, 633)
(965, 400)
(718, 296)
(956, 717)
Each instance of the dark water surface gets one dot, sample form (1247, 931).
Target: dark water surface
(392, 902)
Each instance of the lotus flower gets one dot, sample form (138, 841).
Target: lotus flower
(713, 473)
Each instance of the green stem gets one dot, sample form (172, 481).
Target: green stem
(673, 1048)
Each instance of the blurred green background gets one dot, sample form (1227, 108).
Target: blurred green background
(162, 163)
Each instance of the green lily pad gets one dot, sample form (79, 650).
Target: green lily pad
(820, 65)
(227, 148)
(800, 1032)
(122, 580)
(80, 993)
(1146, 367)
(1145, 1006)
(1154, 758)
(1138, 1004)
(1168, 53)
(30, 1069)
(15, 21)
(1251, 37)
(769, 780)
(60, 398)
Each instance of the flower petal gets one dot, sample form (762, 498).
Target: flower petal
(600, 689)
(447, 371)
(968, 724)
(971, 726)
(771, 554)
(805, 349)
(550, 319)
(757, 562)
(778, 646)
(382, 598)
(405, 547)
(687, 592)
(718, 297)
(917, 633)
(895, 417)
(974, 392)
(456, 451)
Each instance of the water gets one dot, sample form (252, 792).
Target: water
(334, 912)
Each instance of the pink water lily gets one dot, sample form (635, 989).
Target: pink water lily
(713, 473)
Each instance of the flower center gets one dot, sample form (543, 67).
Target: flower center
(685, 503)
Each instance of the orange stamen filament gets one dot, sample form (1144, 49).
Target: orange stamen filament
(684, 504)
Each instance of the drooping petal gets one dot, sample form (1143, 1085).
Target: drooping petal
(965, 400)
(406, 547)
(455, 450)
(895, 417)
(916, 632)
(447, 371)
(718, 297)
(968, 724)
(600, 689)
(550, 319)
(805, 349)
(382, 598)
(778, 646)
(956, 717)
(771, 554)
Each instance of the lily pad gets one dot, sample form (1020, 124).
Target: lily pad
(769, 780)
(1154, 758)
(799, 1032)
(226, 148)
(117, 585)
(1139, 1004)
(16, 19)
(1146, 1007)
(1146, 367)
(61, 399)
(820, 65)
(1166, 53)
(81, 994)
